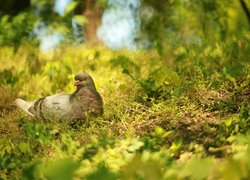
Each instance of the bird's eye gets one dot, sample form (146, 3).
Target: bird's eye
(84, 79)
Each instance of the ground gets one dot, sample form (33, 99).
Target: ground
(180, 113)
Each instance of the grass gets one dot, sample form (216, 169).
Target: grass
(183, 113)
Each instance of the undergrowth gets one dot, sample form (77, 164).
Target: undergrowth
(179, 114)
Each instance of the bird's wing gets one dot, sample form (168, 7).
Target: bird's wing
(25, 106)
(55, 106)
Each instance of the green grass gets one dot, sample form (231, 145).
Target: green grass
(182, 113)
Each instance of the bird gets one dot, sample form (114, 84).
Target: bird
(83, 103)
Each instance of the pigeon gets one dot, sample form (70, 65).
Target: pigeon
(84, 102)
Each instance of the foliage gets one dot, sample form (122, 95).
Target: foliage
(192, 21)
(14, 30)
(21, 27)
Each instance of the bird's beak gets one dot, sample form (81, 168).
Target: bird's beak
(77, 83)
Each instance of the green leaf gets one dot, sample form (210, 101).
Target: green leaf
(24, 147)
(70, 7)
(216, 85)
(175, 146)
(231, 139)
(159, 48)
(245, 113)
(198, 168)
(228, 122)
(168, 133)
(232, 169)
(235, 70)
(102, 173)
(125, 71)
(80, 20)
(127, 65)
(165, 79)
(180, 57)
(136, 145)
(178, 91)
(60, 169)
(159, 131)
(92, 67)
(139, 169)
(5, 19)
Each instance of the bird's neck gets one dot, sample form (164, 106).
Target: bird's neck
(80, 91)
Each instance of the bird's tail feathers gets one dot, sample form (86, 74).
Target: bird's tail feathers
(24, 105)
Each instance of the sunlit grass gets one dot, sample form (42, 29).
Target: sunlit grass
(164, 123)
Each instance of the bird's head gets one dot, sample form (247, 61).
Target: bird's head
(84, 80)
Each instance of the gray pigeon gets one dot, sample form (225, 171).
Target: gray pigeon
(84, 102)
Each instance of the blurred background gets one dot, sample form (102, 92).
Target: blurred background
(121, 24)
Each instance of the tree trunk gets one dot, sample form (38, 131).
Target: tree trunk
(92, 13)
